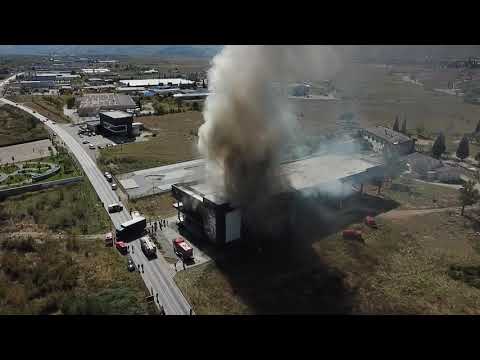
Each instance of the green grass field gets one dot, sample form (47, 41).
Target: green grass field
(17, 126)
(70, 276)
(72, 208)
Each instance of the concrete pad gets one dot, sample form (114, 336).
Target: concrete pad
(129, 184)
(26, 152)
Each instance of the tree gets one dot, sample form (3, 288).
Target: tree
(463, 148)
(439, 146)
(404, 127)
(468, 194)
(70, 102)
(477, 129)
(396, 125)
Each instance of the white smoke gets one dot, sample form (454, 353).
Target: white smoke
(247, 123)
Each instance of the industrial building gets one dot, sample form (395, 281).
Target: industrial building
(116, 123)
(206, 211)
(92, 104)
(199, 96)
(97, 71)
(180, 83)
(383, 139)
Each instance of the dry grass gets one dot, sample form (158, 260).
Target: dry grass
(375, 97)
(175, 141)
(209, 291)
(17, 126)
(409, 271)
(159, 205)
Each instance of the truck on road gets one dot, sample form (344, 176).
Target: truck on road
(132, 228)
(148, 247)
(182, 249)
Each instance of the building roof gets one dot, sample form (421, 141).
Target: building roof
(115, 114)
(95, 71)
(106, 99)
(198, 95)
(155, 82)
(388, 135)
(139, 88)
(301, 174)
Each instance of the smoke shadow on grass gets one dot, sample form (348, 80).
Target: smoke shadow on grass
(288, 276)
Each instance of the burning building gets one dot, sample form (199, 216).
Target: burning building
(204, 211)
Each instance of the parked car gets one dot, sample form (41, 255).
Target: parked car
(91, 146)
(114, 186)
(85, 142)
(100, 146)
(106, 174)
(130, 265)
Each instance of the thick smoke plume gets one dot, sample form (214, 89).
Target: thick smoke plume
(247, 116)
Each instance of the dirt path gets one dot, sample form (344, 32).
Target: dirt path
(402, 214)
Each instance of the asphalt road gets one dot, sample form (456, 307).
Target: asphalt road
(157, 274)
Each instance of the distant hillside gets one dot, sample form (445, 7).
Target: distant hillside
(201, 51)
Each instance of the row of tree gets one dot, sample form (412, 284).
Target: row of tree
(439, 147)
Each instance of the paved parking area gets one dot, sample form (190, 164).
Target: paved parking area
(25, 152)
(160, 179)
(165, 237)
(94, 140)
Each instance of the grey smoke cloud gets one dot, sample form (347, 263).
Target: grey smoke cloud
(246, 123)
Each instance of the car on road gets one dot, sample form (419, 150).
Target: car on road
(130, 265)
(85, 142)
(112, 208)
(91, 146)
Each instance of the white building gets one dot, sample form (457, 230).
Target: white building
(157, 82)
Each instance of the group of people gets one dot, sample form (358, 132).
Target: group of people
(153, 226)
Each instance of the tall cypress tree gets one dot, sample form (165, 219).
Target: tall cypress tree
(439, 146)
(463, 149)
(477, 129)
(404, 127)
(396, 125)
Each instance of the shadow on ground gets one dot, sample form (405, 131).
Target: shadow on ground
(287, 276)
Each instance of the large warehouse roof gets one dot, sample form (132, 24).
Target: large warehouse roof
(106, 99)
(302, 174)
(155, 82)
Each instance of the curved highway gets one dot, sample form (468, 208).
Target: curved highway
(157, 273)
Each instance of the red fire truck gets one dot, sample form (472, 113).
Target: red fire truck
(121, 247)
(182, 248)
(352, 234)
(109, 239)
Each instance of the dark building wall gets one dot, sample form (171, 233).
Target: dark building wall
(106, 121)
